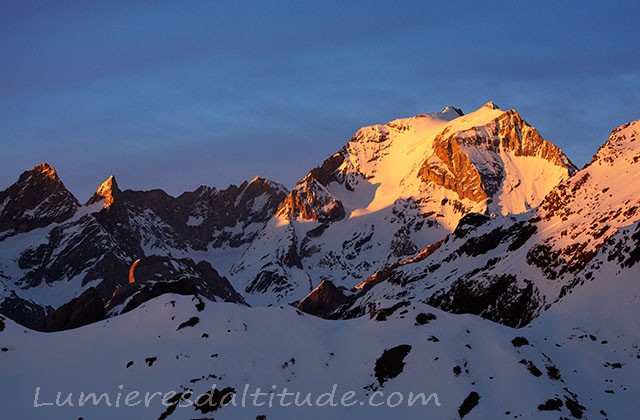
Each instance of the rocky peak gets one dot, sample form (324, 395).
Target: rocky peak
(37, 199)
(46, 170)
(448, 109)
(310, 199)
(621, 144)
(490, 105)
(470, 161)
(108, 192)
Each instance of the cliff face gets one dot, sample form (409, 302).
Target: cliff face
(457, 167)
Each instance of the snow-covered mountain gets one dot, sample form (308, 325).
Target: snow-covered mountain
(509, 269)
(461, 257)
(394, 189)
(53, 249)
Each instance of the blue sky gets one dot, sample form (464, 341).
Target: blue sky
(177, 94)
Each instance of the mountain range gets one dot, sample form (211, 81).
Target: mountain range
(460, 254)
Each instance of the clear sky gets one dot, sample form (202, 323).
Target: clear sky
(177, 94)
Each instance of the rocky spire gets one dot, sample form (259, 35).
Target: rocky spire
(108, 192)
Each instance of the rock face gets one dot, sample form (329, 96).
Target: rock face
(96, 244)
(38, 199)
(510, 269)
(393, 190)
(83, 310)
(455, 164)
(155, 275)
(323, 301)
(22, 311)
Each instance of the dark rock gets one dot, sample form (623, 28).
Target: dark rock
(191, 322)
(383, 313)
(156, 275)
(83, 310)
(422, 318)
(520, 341)
(323, 300)
(469, 222)
(554, 404)
(391, 363)
(212, 400)
(469, 403)
(22, 311)
(533, 369)
(501, 300)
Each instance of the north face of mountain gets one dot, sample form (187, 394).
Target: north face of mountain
(36, 200)
(394, 189)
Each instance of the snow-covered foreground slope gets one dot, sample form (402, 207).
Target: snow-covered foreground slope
(579, 359)
(392, 190)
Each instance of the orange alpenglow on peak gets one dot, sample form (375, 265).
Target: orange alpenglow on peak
(47, 170)
(106, 192)
(491, 105)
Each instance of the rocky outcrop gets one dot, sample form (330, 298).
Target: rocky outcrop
(36, 200)
(498, 298)
(22, 311)
(156, 275)
(83, 310)
(324, 300)
(311, 201)
(208, 216)
(479, 179)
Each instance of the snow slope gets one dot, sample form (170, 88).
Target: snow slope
(581, 355)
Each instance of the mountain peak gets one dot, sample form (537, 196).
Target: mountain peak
(452, 109)
(46, 170)
(37, 199)
(108, 192)
(491, 105)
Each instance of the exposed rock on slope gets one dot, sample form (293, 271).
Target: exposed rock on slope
(323, 300)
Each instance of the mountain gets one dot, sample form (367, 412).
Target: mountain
(488, 278)
(394, 189)
(66, 250)
(38, 199)
(509, 269)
